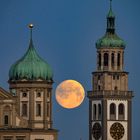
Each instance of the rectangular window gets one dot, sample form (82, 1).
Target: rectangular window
(24, 109)
(38, 109)
(113, 77)
(48, 110)
(117, 77)
(99, 77)
(6, 120)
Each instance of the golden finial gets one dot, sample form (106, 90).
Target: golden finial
(31, 26)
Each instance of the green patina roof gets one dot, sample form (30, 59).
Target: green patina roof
(111, 41)
(30, 67)
(110, 13)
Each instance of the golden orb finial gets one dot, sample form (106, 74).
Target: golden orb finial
(31, 26)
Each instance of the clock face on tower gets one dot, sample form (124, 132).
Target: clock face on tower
(96, 131)
(117, 131)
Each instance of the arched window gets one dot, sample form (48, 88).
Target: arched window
(24, 109)
(6, 120)
(121, 111)
(94, 111)
(99, 57)
(105, 59)
(38, 109)
(99, 111)
(112, 59)
(118, 60)
(112, 111)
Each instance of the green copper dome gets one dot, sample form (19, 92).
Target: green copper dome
(30, 67)
(110, 41)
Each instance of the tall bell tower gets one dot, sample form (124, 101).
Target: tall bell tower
(110, 106)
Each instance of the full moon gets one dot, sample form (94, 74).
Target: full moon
(70, 94)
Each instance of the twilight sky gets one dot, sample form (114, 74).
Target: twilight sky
(65, 33)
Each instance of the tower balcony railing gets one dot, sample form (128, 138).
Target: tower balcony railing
(110, 93)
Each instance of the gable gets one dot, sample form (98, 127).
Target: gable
(4, 94)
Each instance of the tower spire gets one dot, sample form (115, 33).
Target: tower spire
(110, 20)
(31, 42)
(110, 4)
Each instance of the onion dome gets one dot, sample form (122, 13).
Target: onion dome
(31, 66)
(110, 39)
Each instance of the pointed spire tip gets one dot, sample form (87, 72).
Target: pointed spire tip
(110, 4)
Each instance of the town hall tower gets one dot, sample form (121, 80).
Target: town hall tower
(110, 106)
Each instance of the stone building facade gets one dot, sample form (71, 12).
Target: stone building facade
(26, 110)
(110, 101)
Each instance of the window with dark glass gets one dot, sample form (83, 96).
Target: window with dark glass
(99, 111)
(115, 88)
(112, 59)
(99, 59)
(6, 121)
(112, 111)
(24, 94)
(24, 109)
(94, 111)
(118, 59)
(38, 109)
(112, 108)
(48, 109)
(99, 77)
(121, 111)
(114, 77)
(105, 59)
(99, 87)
